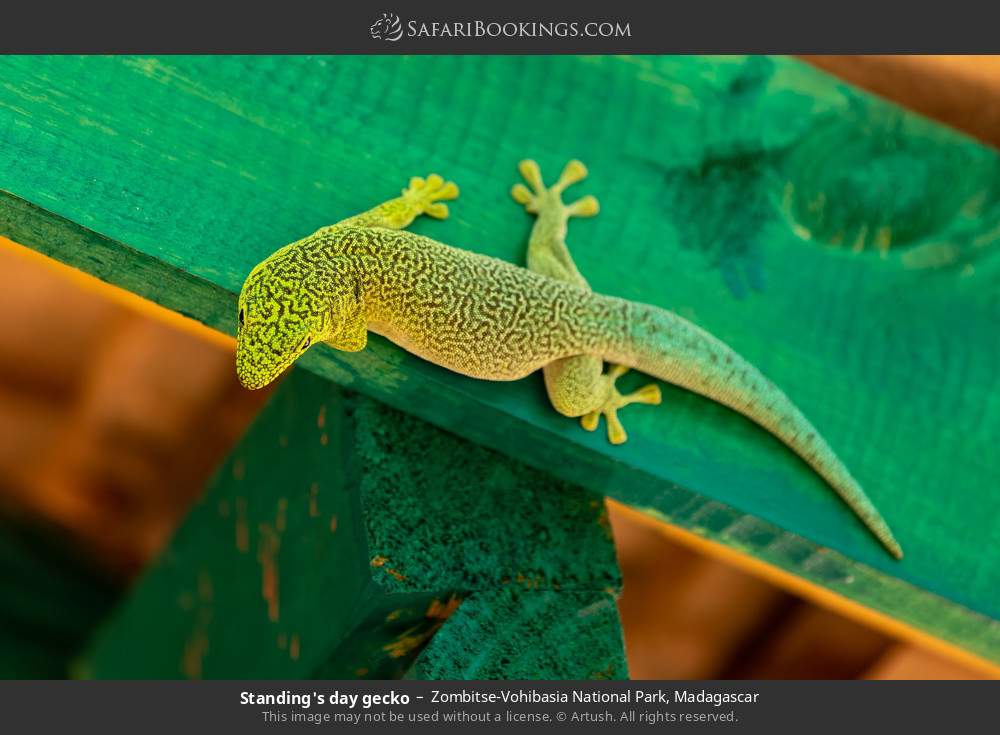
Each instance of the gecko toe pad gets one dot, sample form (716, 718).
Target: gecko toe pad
(648, 394)
(536, 197)
(429, 192)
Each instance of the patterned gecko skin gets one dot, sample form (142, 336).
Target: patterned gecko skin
(489, 319)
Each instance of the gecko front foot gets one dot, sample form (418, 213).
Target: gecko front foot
(649, 394)
(539, 198)
(426, 195)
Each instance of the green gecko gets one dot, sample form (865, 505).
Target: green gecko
(489, 319)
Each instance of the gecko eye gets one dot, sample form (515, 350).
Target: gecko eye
(241, 317)
(305, 344)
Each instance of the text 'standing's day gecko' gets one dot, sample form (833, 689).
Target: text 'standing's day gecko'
(493, 320)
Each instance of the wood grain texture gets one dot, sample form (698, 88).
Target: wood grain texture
(340, 536)
(845, 247)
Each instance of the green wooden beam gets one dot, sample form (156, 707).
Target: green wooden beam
(341, 536)
(527, 634)
(845, 247)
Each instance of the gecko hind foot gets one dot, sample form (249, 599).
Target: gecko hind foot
(538, 197)
(427, 194)
(648, 394)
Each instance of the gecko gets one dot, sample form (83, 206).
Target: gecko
(490, 319)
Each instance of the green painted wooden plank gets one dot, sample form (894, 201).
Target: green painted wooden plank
(531, 634)
(340, 535)
(734, 191)
(250, 562)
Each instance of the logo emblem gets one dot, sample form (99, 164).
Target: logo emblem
(387, 28)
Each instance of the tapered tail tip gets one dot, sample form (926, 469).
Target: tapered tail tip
(894, 548)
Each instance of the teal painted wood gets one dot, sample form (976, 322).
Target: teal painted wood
(532, 634)
(255, 583)
(845, 247)
(339, 537)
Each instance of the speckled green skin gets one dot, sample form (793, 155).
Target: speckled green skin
(489, 319)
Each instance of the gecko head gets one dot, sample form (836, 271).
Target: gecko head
(286, 306)
(281, 315)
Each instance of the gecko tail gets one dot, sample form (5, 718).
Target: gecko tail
(666, 346)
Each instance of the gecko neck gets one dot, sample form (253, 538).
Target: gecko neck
(358, 264)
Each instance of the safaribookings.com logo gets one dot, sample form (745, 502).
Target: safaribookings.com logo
(387, 28)
(390, 28)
